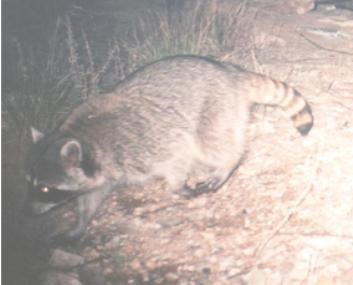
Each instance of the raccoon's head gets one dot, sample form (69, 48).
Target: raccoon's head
(59, 170)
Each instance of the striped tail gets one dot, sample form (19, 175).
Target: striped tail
(268, 91)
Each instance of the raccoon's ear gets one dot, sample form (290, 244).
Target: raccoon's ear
(36, 135)
(71, 154)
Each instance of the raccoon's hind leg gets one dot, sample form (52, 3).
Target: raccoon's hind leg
(220, 140)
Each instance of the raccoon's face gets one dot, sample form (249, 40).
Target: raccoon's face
(56, 173)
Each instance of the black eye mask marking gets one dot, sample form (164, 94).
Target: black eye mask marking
(50, 194)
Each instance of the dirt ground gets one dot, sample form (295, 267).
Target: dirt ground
(285, 216)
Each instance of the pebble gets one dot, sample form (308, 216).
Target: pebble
(58, 278)
(136, 265)
(114, 243)
(171, 276)
(92, 274)
(138, 212)
(93, 254)
(169, 221)
(233, 272)
(64, 260)
(108, 271)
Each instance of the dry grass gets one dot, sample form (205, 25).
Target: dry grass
(200, 27)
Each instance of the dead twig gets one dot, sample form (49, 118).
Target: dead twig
(324, 48)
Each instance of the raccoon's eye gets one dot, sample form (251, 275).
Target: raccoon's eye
(44, 189)
(50, 194)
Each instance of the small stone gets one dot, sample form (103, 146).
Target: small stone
(145, 276)
(114, 243)
(138, 211)
(189, 268)
(206, 270)
(58, 278)
(136, 265)
(199, 253)
(171, 276)
(227, 263)
(93, 254)
(255, 276)
(108, 271)
(94, 223)
(151, 264)
(233, 272)
(61, 259)
(92, 274)
(169, 222)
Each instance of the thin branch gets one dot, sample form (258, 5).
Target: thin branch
(324, 48)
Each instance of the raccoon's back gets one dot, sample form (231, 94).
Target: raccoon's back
(162, 96)
(165, 101)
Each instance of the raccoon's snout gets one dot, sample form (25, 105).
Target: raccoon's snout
(42, 199)
(37, 208)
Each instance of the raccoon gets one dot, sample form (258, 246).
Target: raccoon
(181, 118)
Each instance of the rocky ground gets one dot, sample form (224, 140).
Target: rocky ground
(284, 217)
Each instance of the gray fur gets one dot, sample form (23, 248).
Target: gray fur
(181, 118)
